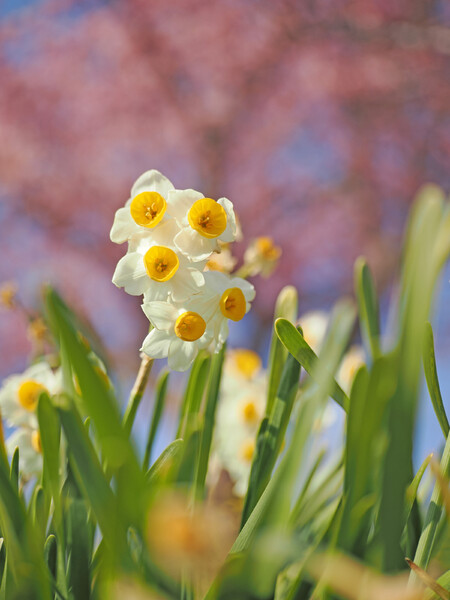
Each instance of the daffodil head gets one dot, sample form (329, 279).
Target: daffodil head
(208, 218)
(245, 363)
(28, 394)
(161, 263)
(267, 249)
(247, 450)
(233, 304)
(147, 209)
(8, 293)
(261, 257)
(249, 411)
(189, 326)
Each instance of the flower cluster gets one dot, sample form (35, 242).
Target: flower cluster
(172, 235)
(19, 397)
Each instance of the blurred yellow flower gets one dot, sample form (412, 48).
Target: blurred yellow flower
(183, 540)
(8, 291)
(261, 257)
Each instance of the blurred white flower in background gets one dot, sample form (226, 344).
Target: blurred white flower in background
(261, 257)
(222, 261)
(314, 326)
(28, 441)
(19, 397)
(19, 394)
(241, 407)
(350, 364)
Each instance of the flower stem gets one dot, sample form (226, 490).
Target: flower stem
(137, 392)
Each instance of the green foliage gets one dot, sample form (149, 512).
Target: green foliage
(91, 522)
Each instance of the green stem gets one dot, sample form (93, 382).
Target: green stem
(137, 392)
(160, 397)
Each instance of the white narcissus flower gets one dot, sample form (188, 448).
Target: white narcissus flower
(222, 261)
(20, 393)
(262, 256)
(224, 298)
(350, 364)
(28, 441)
(157, 269)
(240, 410)
(204, 222)
(19, 397)
(242, 363)
(180, 332)
(314, 326)
(145, 209)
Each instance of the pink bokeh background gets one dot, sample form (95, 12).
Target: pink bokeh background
(320, 121)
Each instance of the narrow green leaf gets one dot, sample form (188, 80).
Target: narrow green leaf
(2, 560)
(287, 308)
(295, 513)
(49, 429)
(160, 398)
(413, 520)
(435, 514)
(79, 546)
(212, 396)
(50, 554)
(431, 376)
(271, 435)
(99, 401)
(25, 572)
(167, 462)
(368, 306)
(187, 470)
(91, 479)
(40, 510)
(419, 276)
(322, 492)
(301, 351)
(14, 471)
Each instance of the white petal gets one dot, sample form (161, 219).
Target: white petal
(130, 274)
(161, 314)
(30, 461)
(229, 235)
(164, 232)
(182, 354)
(156, 344)
(193, 245)
(40, 372)
(223, 331)
(157, 291)
(180, 201)
(247, 288)
(152, 181)
(217, 282)
(123, 227)
(185, 283)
